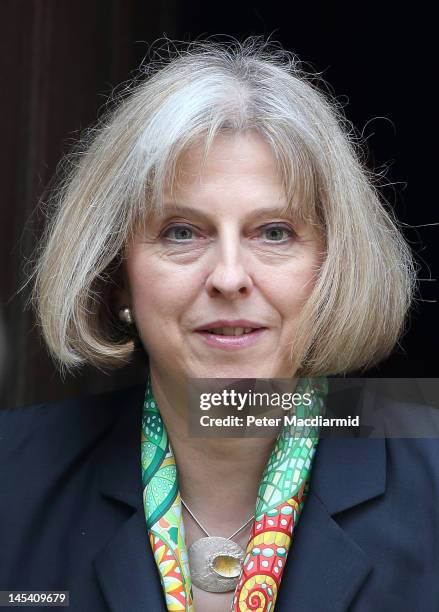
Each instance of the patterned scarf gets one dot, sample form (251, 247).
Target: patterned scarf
(282, 493)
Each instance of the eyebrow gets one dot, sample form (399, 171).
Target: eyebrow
(262, 211)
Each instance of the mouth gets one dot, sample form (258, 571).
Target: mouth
(230, 331)
(231, 335)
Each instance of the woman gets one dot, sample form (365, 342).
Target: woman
(220, 217)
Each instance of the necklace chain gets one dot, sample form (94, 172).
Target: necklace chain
(205, 530)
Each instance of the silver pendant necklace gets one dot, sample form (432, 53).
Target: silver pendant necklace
(215, 562)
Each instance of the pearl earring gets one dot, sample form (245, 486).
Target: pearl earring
(125, 315)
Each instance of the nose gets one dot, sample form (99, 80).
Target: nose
(229, 275)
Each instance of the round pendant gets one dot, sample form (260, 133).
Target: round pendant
(215, 564)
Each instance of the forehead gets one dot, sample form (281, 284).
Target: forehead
(237, 179)
(228, 154)
(237, 168)
(233, 170)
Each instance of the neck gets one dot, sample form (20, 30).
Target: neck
(218, 477)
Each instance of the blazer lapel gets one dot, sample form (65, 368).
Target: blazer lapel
(127, 572)
(125, 567)
(326, 568)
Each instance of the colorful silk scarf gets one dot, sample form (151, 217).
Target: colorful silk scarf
(282, 493)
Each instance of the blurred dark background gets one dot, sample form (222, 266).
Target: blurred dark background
(61, 60)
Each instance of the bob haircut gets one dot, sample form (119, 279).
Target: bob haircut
(363, 290)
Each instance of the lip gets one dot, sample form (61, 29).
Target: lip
(231, 342)
(229, 323)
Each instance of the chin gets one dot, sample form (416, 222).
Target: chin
(237, 371)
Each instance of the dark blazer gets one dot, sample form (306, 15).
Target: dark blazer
(71, 515)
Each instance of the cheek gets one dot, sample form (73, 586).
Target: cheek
(159, 293)
(289, 289)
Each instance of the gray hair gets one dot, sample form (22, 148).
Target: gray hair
(356, 311)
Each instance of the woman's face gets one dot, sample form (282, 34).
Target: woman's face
(223, 260)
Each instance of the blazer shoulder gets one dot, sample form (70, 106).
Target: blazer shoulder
(71, 423)
(411, 429)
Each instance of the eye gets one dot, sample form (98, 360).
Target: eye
(277, 232)
(178, 233)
